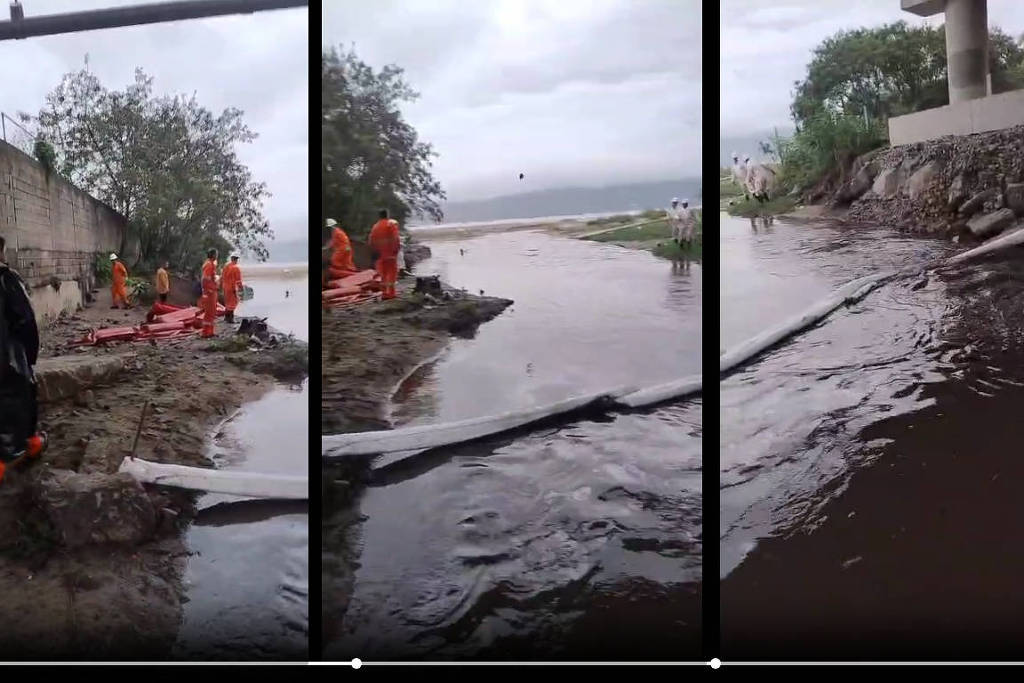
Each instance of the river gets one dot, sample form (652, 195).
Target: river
(867, 468)
(248, 576)
(576, 541)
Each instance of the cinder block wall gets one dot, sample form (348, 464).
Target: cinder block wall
(53, 231)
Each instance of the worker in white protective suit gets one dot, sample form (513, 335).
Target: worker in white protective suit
(760, 181)
(681, 220)
(739, 172)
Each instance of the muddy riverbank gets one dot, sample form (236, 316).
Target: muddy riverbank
(92, 562)
(366, 351)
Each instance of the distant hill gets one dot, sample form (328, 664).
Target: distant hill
(572, 201)
(288, 252)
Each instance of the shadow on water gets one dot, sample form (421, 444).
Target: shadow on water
(247, 581)
(569, 540)
(868, 467)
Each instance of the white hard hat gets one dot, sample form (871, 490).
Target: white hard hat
(331, 223)
(735, 155)
(234, 255)
(686, 201)
(113, 257)
(675, 200)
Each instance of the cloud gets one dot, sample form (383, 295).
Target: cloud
(258, 63)
(571, 92)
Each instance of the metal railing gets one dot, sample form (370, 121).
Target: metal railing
(17, 135)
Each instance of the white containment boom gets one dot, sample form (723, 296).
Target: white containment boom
(232, 482)
(433, 436)
(997, 244)
(851, 291)
(662, 392)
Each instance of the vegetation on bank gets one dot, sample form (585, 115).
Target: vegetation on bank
(655, 237)
(855, 82)
(751, 208)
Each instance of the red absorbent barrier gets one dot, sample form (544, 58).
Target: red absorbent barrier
(356, 289)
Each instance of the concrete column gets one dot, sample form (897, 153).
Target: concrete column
(967, 49)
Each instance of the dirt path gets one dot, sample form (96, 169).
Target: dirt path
(119, 600)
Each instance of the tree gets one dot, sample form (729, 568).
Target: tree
(371, 158)
(892, 70)
(166, 163)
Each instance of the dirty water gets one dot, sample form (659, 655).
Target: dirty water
(575, 540)
(248, 577)
(868, 466)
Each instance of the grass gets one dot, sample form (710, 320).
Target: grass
(750, 208)
(656, 238)
(626, 218)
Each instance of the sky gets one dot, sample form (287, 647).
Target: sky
(766, 46)
(569, 93)
(258, 63)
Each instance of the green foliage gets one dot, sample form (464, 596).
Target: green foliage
(825, 144)
(370, 157)
(892, 70)
(45, 154)
(167, 163)
(102, 267)
(750, 208)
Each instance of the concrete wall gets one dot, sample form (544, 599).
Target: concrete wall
(964, 118)
(53, 230)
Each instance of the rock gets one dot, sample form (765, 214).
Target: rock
(957, 193)
(887, 184)
(991, 223)
(64, 377)
(856, 186)
(922, 179)
(975, 203)
(87, 509)
(1015, 198)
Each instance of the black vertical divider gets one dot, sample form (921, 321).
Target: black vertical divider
(710, 327)
(313, 221)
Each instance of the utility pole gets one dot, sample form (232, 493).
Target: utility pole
(19, 26)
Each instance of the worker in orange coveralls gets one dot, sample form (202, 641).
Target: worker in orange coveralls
(231, 283)
(209, 299)
(385, 241)
(342, 264)
(119, 283)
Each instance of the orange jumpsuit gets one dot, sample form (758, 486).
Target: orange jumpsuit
(231, 283)
(209, 299)
(385, 240)
(342, 264)
(119, 286)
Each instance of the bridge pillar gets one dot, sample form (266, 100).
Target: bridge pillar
(966, 44)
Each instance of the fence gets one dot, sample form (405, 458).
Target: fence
(17, 135)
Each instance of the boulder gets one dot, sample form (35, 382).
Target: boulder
(87, 509)
(991, 223)
(887, 184)
(1015, 198)
(975, 203)
(64, 377)
(957, 193)
(856, 186)
(923, 179)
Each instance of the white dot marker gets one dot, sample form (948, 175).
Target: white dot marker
(356, 663)
(715, 663)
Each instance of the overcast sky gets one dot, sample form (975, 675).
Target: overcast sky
(258, 63)
(570, 93)
(766, 46)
